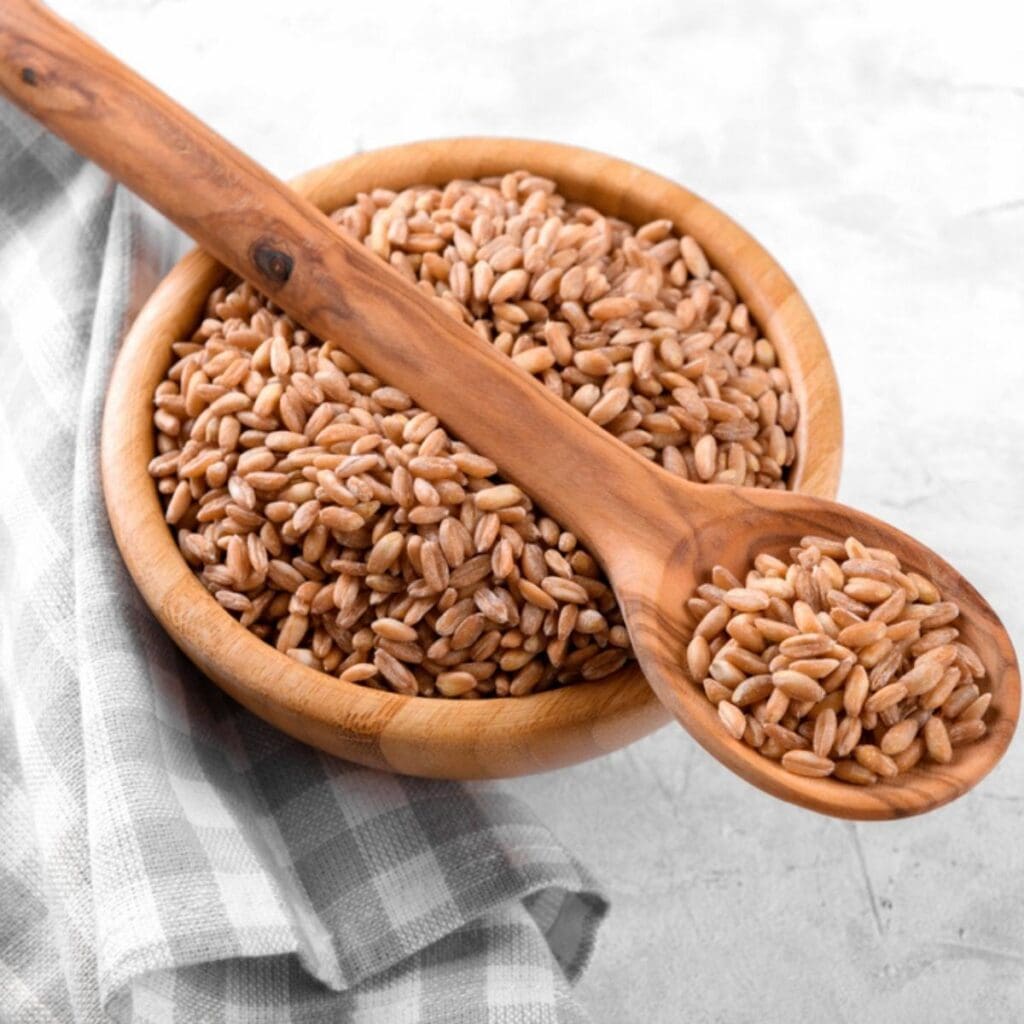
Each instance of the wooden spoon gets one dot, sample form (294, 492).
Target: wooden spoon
(655, 535)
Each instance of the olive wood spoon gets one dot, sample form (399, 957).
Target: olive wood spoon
(655, 535)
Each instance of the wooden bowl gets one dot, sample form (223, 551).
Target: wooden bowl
(415, 735)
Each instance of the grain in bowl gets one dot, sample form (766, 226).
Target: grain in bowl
(342, 523)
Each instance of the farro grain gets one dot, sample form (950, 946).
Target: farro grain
(732, 718)
(886, 697)
(976, 709)
(824, 733)
(698, 657)
(715, 691)
(873, 759)
(846, 665)
(804, 762)
(857, 774)
(861, 634)
(775, 707)
(357, 509)
(936, 739)
(797, 686)
(848, 734)
(968, 731)
(806, 645)
(752, 690)
(938, 695)
(787, 738)
(961, 699)
(899, 737)
(345, 527)
(908, 757)
(922, 677)
(816, 668)
(725, 672)
(744, 600)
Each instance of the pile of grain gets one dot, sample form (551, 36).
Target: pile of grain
(632, 327)
(837, 662)
(342, 524)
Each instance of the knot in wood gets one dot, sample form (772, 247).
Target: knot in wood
(274, 264)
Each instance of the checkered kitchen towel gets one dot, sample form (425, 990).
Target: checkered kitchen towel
(165, 855)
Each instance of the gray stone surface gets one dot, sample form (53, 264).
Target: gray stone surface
(877, 150)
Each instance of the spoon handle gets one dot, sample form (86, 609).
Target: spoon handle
(261, 229)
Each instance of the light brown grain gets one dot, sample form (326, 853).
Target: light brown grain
(344, 494)
(844, 663)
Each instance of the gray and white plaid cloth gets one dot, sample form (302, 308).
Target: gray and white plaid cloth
(165, 855)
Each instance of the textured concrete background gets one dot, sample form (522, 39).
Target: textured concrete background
(878, 152)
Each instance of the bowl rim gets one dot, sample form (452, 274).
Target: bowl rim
(382, 729)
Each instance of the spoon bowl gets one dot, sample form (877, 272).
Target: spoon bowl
(730, 527)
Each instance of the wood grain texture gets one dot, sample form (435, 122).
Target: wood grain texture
(655, 535)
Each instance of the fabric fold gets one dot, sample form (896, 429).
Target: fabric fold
(165, 855)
